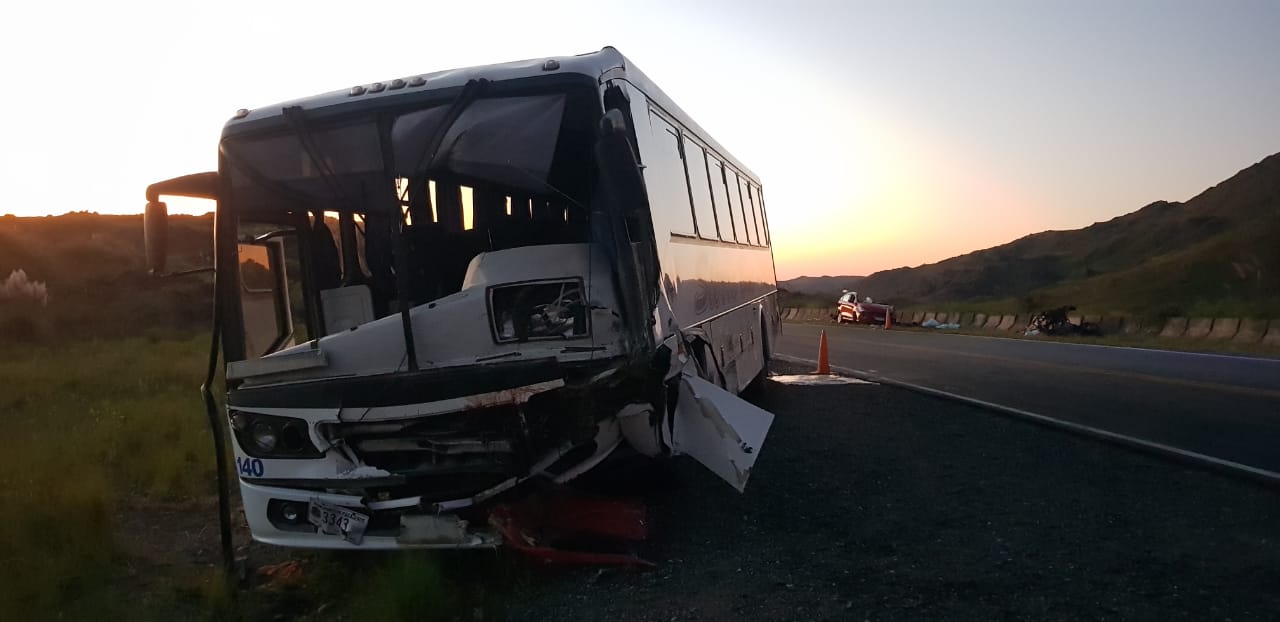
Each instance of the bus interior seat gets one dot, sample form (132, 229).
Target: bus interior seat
(328, 264)
(346, 307)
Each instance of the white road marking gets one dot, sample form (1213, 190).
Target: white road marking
(817, 379)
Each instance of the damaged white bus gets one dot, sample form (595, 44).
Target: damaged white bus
(437, 292)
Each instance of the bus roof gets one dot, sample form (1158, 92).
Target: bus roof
(606, 64)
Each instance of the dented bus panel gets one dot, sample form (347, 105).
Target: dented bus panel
(438, 291)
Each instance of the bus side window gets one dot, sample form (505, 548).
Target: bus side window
(665, 178)
(724, 216)
(757, 210)
(747, 217)
(735, 205)
(700, 191)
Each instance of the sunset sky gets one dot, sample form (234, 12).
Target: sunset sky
(886, 134)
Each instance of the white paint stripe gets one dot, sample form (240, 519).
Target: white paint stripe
(1270, 477)
(817, 379)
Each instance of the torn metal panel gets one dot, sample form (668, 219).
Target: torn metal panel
(719, 429)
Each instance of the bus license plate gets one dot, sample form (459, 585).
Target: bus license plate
(337, 521)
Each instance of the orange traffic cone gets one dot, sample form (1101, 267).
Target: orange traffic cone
(888, 320)
(824, 367)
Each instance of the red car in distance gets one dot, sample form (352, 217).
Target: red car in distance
(850, 310)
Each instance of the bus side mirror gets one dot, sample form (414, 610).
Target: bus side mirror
(155, 233)
(155, 220)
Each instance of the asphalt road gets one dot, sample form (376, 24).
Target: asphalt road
(1226, 407)
(870, 502)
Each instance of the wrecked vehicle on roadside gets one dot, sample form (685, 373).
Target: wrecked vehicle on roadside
(1057, 322)
(435, 291)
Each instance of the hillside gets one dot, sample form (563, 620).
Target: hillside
(1217, 252)
(83, 275)
(821, 285)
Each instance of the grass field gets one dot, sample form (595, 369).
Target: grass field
(107, 481)
(84, 430)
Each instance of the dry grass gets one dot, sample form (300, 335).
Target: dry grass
(83, 429)
(106, 476)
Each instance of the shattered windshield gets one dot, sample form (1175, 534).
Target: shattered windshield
(505, 141)
(451, 180)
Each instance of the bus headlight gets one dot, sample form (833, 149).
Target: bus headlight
(263, 437)
(270, 436)
(538, 310)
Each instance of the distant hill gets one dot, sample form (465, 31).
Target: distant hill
(821, 285)
(92, 275)
(1216, 253)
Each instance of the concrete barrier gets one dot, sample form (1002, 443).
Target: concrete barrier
(1251, 331)
(1224, 328)
(1272, 338)
(1199, 327)
(1236, 330)
(1133, 326)
(1174, 327)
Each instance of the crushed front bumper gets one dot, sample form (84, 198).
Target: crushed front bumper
(393, 524)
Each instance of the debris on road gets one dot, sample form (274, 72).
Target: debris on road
(539, 527)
